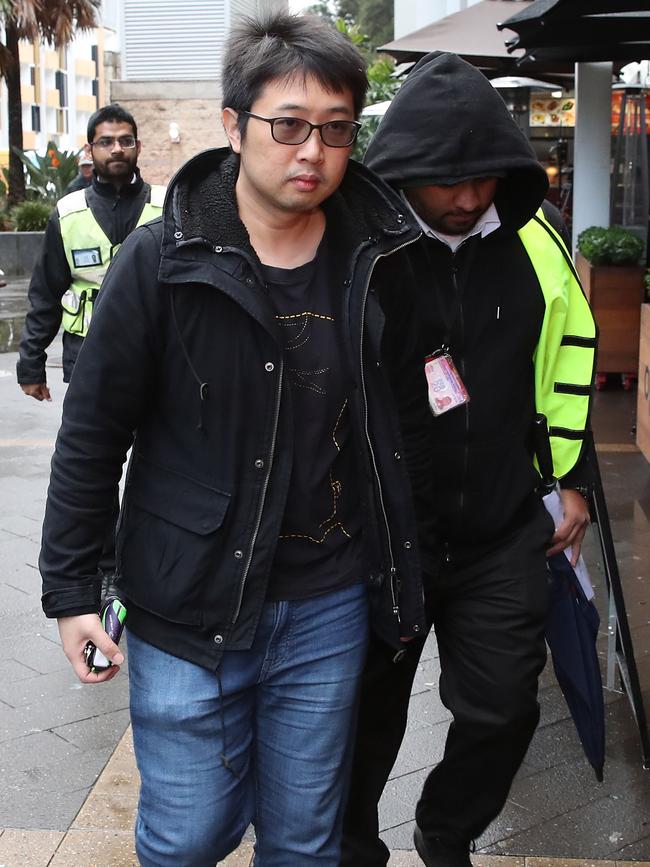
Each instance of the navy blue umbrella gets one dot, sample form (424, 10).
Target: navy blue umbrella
(571, 632)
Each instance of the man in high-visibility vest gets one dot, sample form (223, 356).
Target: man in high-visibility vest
(84, 232)
(506, 333)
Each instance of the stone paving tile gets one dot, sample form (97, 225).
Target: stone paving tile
(31, 809)
(423, 746)
(40, 747)
(596, 830)
(113, 811)
(11, 671)
(96, 849)
(95, 732)
(566, 862)
(20, 848)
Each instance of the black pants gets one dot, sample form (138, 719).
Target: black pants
(488, 607)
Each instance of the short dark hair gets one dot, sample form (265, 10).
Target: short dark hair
(107, 113)
(284, 45)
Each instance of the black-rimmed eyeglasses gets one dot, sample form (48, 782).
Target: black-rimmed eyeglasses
(126, 142)
(296, 131)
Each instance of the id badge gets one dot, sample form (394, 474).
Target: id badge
(446, 388)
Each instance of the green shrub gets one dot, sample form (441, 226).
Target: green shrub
(612, 246)
(49, 175)
(31, 216)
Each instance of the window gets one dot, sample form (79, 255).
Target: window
(36, 118)
(61, 84)
(61, 121)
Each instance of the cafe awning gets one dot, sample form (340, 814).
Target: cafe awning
(472, 34)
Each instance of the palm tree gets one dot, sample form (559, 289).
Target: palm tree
(55, 21)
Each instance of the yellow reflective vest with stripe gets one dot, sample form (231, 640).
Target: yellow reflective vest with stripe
(565, 354)
(89, 252)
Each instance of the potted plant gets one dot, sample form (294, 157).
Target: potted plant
(613, 280)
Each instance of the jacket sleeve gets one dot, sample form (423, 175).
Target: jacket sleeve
(50, 280)
(114, 376)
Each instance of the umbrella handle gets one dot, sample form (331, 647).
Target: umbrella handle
(542, 446)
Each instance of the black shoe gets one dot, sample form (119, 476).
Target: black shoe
(436, 852)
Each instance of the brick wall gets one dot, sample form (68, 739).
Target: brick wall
(196, 108)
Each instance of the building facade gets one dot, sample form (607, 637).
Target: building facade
(411, 15)
(170, 75)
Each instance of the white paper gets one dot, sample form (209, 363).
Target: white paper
(553, 503)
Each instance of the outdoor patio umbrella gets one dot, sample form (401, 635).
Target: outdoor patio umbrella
(581, 30)
(572, 628)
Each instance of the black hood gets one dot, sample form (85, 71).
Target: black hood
(447, 124)
(201, 206)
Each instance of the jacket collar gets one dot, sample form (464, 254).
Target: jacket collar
(201, 210)
(109, 191)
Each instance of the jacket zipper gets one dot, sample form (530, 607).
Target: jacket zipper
(461, 503)
(393, 571)
(260, 508)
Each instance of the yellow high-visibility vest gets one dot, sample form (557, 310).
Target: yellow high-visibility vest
(565, 355)
(89, 253)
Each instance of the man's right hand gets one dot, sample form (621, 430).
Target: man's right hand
(75, 634)
(37, 390)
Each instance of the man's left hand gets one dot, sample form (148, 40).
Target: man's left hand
(571, 531)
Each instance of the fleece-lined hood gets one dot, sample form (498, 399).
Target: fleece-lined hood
(447, 124)
(201, 207)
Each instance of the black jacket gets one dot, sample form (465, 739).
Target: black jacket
(447, 124)
(117, 212)
(184, 350)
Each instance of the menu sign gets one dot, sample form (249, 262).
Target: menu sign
(549, 111)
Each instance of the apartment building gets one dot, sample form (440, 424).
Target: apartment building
(61, 88)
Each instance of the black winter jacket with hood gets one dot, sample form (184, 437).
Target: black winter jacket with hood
(448, 124)
(184, 350)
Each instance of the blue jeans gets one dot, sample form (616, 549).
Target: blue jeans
(267, 740)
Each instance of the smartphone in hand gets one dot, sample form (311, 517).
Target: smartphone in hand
(112, 616)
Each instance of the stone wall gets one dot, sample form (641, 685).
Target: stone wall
(194, 105)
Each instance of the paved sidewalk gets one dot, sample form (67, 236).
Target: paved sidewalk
(101, 835)
(68, 795)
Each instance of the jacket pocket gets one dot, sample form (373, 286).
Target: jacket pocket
(170, 541)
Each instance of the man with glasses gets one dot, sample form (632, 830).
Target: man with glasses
(83, 234)
(267, 506)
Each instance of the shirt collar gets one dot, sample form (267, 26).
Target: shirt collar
(487, 223)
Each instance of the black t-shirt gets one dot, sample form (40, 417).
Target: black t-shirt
(320, 546)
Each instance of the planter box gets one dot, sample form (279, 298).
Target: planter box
(615, 293)
(19, 251)
(643, 394)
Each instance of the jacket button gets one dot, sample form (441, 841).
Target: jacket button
(218, 249)
(249, 281)
(416, 628)
(408, 545)
(178, 235)
(269, 366)
(397, 456)
(218, 639)
(259, 463)
(238, 554)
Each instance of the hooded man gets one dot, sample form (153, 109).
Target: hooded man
(507, 333)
